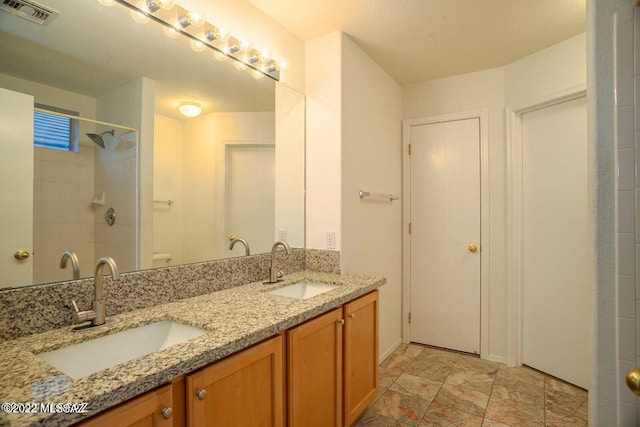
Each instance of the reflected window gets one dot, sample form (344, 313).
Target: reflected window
(53, 129)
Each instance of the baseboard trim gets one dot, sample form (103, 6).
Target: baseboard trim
(494, 358)
(390, 350)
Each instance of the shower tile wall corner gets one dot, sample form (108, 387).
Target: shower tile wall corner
(627, 134)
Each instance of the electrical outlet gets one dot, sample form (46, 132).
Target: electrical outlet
(331, 240)
(283, 234)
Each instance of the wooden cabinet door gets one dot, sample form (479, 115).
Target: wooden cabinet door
(314, 372)
(360, 355)
(143, 411)
(245, 389)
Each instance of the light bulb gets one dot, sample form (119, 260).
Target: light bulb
(244, 45)
(107, 2)
(283, 64)
(220, 56)
(197, 45)
(191, 18)
(139, 16)
(240, 65)
(257, 74)
(190, 109)
(223, 34)
(170, 32)
(197, 18)
(265, 56)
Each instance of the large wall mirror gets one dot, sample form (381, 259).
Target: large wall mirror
(102, 163)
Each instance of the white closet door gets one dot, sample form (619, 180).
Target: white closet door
(445, 218)
(250, 196)
(556, 295)
(16, 197)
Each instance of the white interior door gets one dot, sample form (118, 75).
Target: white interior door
(556, 297)
(16, 197)
(250, 196)
(445, 220)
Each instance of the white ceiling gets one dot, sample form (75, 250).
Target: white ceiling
(416, 40)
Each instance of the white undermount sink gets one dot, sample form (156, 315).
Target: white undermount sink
(80, 360)
(303, 290)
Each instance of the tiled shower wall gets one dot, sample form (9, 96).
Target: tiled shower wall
(627, 131)
(62, 214)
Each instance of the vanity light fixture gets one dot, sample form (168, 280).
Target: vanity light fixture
(190, 109)
(177, 20)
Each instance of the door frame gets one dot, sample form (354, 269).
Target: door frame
(513, 121)
(483, 116)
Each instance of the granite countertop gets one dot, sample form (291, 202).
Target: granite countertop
(234, 319)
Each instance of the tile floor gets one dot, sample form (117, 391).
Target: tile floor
(423, 386)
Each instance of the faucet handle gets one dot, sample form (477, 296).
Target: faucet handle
(81, 316)
(280, 274)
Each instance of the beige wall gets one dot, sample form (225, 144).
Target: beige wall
(324, 139)
(168, 184)
(353, 141)
(371, 158)
(560, 66)
(118, 171)
(203, 157)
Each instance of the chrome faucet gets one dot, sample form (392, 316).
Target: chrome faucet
(235, 240)
(275, 275)
(75, 265)
(97, 314)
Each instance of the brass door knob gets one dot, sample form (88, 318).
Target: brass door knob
(633, 380)
(21, 255)
(472, 248)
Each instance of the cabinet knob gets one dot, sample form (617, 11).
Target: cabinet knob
(167, 413)
(341, 322)
(352, 316)
(201, 394)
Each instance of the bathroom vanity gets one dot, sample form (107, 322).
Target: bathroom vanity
(264, 360)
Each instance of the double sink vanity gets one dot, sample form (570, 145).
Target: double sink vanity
(302, 351)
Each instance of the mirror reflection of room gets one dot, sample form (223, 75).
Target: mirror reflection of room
(116, 169)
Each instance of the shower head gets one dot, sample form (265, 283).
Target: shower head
(98, 138)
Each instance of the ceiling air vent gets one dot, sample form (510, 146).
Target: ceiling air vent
(30, 10)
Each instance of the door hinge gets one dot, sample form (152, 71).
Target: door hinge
(409, 149)
(410, 228)
(409, 317)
